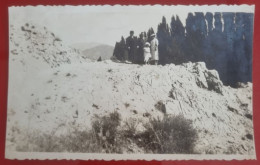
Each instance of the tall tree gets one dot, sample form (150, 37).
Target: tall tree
(177, 41)
(164, 38)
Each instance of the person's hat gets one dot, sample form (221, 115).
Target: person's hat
(147, 44)
(152, 35)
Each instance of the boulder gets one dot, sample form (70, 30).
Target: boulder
(208, 79)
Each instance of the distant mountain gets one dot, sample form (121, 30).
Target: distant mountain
(85, 45)
(103, 51)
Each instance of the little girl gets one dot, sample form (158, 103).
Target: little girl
(147, 52)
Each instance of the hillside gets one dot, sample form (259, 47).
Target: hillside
(51, 92)
(32, 42)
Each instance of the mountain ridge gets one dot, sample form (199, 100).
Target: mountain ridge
(102, 50)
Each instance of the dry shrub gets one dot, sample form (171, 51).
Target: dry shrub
(130, 128)
(74, 141)
(172, 134)
(103, 137)
(106, 132)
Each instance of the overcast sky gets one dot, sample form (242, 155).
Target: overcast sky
(105, 24)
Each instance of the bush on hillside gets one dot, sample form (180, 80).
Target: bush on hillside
(169, 135)
(172, 134)
(106, 132)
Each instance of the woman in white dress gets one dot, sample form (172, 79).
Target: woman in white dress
(147, 52)
(154, 49)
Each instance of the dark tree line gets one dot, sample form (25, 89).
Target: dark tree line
(222, 40)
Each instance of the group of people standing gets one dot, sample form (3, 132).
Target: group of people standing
(142, 50)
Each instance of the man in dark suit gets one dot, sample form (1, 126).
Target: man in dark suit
(131, 43)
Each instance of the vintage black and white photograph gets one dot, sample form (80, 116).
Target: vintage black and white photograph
(130, 82)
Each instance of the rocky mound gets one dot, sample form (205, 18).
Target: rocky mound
(30, 42)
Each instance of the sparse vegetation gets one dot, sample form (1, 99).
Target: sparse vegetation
(74, 141)
(172, 134)
(130, 128)
(106, 132)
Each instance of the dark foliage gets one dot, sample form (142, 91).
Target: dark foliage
(106, 131)
(225, 47)
(172, 134)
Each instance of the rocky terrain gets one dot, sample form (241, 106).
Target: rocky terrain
(51, 88)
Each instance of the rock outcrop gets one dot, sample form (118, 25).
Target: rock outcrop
(208, 79)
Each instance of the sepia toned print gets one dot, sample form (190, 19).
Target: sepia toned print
(130, 82)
